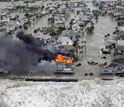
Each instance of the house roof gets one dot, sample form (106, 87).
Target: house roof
(43, 35)
(120, 38)
(120, 48)
(65, 40)
(70, 32)
(119, 7)
(68, 46)
(112, 65)
(120, 42)
(121, 28)
(118, 61)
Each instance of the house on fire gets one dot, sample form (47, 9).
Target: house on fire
(64, 64)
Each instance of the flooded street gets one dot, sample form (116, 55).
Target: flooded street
(38, 23)
(62, 53)
(94, 41)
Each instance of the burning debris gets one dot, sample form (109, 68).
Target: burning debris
(61, 58)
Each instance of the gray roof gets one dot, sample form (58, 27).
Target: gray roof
(120, 38)
(118, 61)
(113, 67)
(70, 32)
(120, 48)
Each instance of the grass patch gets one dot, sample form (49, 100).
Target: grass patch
(10, 10)
(103, 64)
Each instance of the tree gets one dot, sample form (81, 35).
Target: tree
(25, 26)
(78, 12)
(76, 45)
(71, 22)
(27, 15)
(90, 29)
(60, 29)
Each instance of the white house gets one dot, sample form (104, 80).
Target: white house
(5, 19)
(65, 41)
(121, 30)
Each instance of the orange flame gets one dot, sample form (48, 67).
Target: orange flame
(61, 58)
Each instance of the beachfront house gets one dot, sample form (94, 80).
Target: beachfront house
(120, 44)
(121, 30)
(120, 22)
(115, 68)
(109, 70)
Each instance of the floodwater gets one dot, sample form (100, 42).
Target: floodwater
(94, 43)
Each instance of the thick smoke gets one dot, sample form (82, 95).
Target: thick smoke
(23, 53)
(35, 47)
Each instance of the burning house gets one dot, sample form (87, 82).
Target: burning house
(64, 64)
(26, 54)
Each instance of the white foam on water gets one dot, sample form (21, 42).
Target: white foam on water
(86, 93)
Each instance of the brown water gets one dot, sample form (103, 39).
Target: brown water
(95, 42)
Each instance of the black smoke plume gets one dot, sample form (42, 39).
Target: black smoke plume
(23, 52)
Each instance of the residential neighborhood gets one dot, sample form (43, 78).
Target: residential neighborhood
(90, 32)
(61, 53)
